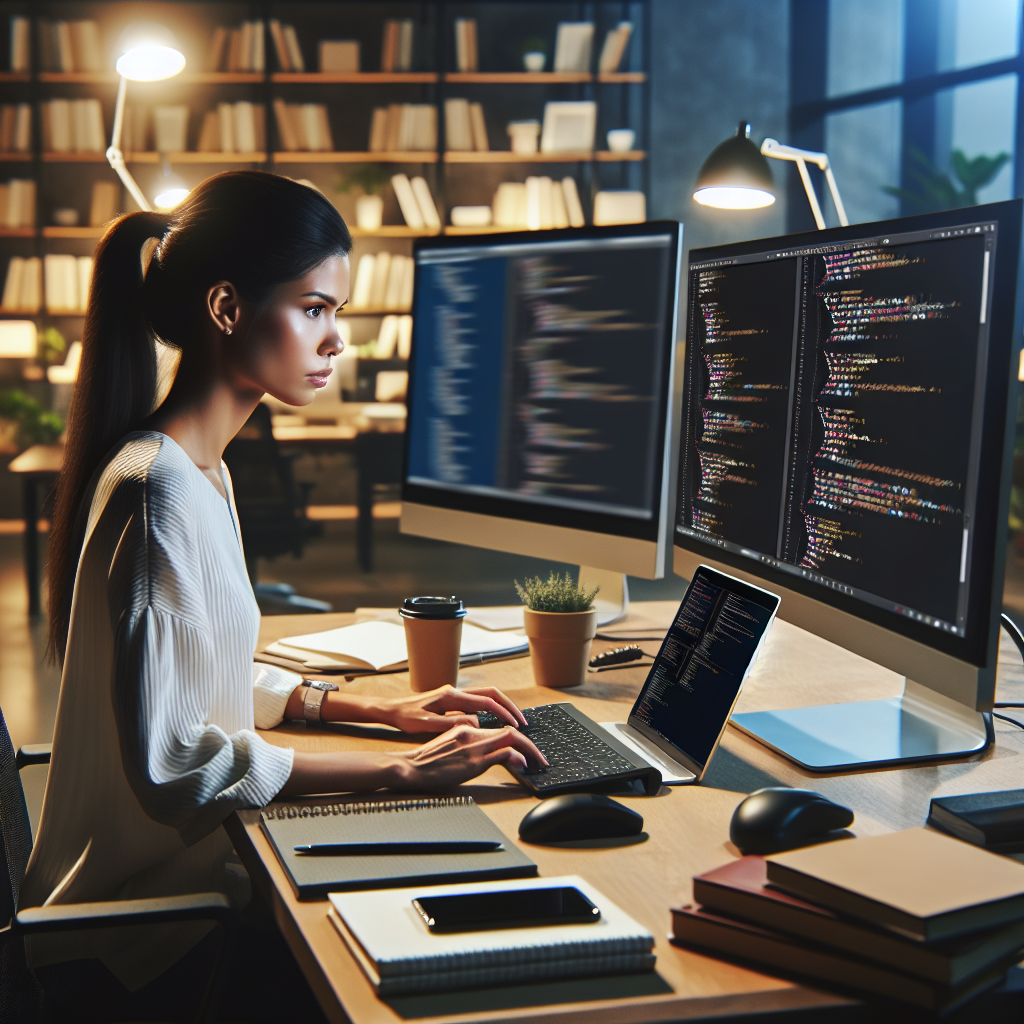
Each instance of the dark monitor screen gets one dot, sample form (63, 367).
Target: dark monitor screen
(695, 679)
(845, 401)
(539, 380)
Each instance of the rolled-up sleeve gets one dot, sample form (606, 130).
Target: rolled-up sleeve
(271, 688)
(185, 771)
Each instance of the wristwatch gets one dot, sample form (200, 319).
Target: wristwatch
(312, 703)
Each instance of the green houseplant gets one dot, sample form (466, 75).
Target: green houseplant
(560, 621)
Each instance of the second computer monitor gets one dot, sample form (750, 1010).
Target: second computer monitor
(540, 394)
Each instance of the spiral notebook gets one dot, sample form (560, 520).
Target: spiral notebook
(433, 819)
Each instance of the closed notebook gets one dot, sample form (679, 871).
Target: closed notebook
(435, 819)
(740, 889)
(400, 955)
(694, 925)
(992, 820)
(919, 882)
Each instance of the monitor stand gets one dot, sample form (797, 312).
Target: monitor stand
(612, 601)
(920, 726)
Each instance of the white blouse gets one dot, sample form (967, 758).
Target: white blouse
(154, 744)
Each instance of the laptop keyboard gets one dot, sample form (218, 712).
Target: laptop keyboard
(575, 754)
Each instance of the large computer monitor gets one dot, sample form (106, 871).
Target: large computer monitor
(539, 401)
(846, 442)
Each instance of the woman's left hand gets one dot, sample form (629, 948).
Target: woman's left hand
(446, 707)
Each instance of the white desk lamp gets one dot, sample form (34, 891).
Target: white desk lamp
(148, 58)
(736, 175)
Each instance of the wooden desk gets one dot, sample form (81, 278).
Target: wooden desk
(688, 828)
(37, 465)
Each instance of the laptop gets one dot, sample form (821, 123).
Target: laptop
(678, 719)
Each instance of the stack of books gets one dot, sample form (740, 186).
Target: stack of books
(234, 128)
(68, 46)
(396, 46)
(67, 283)
(465, 128)
(383, 281)
(303, 127)
(914, 916)
(18, 203)
(403, 128)
(23, 286)
(15, 128)
(538, 204)
(286, 47)
(416, 202)
(467, 52)
(20, 49)
(73, 126)
(238, 49)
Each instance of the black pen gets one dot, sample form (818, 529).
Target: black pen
(367, 849)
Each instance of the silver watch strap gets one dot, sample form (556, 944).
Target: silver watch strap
(312, 710)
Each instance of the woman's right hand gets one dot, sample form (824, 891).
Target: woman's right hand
(463, 753)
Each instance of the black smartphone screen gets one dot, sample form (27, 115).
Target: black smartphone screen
(514, 908)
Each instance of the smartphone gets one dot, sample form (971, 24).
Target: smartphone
(513, 908)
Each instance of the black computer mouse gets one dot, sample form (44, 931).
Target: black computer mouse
(579, 816)
(776, 819)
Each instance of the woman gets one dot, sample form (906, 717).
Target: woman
(151, 608)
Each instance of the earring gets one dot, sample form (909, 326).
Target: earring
(227, 330)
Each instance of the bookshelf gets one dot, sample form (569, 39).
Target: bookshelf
(455, 177)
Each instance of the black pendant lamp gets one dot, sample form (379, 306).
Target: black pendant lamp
(735, 176)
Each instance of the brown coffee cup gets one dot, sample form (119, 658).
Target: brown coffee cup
(433, 638)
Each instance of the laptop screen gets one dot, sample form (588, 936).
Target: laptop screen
(696, 677)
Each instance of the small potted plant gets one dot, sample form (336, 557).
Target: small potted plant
(560, 622)
(371, 179)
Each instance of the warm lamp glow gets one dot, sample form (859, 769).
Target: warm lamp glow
(733, 198)
(169, 199)
(150, 63)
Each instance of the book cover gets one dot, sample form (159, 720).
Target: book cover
(478, 126)
(430, 819)
(693, 925)
(291, 40)
(399, 954)
(407, 201)
(280, 46)
(992, 820)
(740, 889)
(924, 884)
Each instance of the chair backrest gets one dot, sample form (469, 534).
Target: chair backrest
(15, 829)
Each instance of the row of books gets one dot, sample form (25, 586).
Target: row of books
(73, 126)
(18, 203)
(538, 204)
(465, 127)
(21, 47)
(67, 281)
(416, 202)
(574, 42)
(68, 46)
(15, 128)
(383, 281)
(915, 916)
(403, 128)
(303, 127)
(238, 49)
(231, 128)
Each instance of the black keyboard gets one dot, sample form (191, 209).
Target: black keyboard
(581, 754)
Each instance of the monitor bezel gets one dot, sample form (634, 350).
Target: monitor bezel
(977, 647)
(552, 515)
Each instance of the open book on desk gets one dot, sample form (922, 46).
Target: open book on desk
(380, 647)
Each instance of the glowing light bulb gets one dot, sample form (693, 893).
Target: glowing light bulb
(169, 199)
(733, 198)
(150, 62)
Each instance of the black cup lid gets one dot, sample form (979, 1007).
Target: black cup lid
(432, 608)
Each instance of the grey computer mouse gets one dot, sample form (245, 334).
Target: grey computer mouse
(776, 819)
(579, 816)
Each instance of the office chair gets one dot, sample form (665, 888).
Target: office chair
(21, 998)
(271, 508)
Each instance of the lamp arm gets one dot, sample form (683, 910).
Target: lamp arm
(802, 157)
(114, 155)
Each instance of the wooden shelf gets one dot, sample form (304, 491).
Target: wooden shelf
(74, 158)
(429, 157)
(80, 77)
(392, 231)
(502, 156)
(608, 156)
(15, 76)
(518, 77)
(197, 158)
(10, 158)
(187, 78)
(610, 77)
(354, 77)
(17, 232)
(56, 231)
(487, 229)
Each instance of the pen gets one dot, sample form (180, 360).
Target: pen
(366, 849)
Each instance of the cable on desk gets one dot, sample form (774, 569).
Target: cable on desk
(1007, 718)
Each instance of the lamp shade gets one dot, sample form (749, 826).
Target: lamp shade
(735, 176)
(148, 53)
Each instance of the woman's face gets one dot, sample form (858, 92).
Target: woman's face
(285, 350)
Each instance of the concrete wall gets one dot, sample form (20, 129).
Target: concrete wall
(714, 62)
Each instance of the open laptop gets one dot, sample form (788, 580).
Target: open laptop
(678, 719)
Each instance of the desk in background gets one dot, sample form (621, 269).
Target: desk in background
(37, 465)
(688, 828)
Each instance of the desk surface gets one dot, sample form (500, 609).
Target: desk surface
(40, 458)
(688, 833)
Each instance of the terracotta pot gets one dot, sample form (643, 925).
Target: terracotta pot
(560, 645)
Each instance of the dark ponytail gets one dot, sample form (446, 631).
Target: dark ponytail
(253, 229)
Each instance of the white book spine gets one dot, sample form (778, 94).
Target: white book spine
(294, 50)
(407, 202)
(61, 137)
(19, 44)
(404, 62)
(387, 336)
(573, 206)
(259, 47)
(280, 46)
(405, 325)
(32, 285)
(425, 201)
(533, 202)
(65, 49)
(245, 47)
(379, 287)
(53, 284)
(95, 132)
(226, 115)
(22, 128)
(478, 125)
(245, 127)
(364, 281)
(393, 292)
(458, 133)
(310, 126)
(285, 127)
(324, 125)
(12, 285)
(379, 130)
